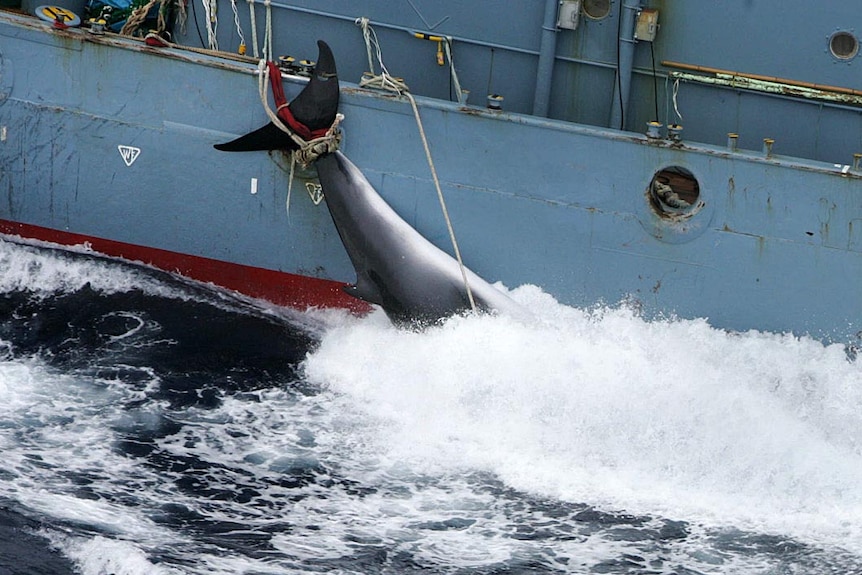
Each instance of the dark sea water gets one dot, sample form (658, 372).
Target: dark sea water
(153, 426)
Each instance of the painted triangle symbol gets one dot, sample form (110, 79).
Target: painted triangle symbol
(129, 154)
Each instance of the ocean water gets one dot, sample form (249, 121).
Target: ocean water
(152, 426)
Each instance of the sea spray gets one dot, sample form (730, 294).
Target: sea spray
(161, 426)
(674, 417)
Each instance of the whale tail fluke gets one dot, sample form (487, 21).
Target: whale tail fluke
(311, 113)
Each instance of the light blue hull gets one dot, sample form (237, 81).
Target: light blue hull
(773, 243)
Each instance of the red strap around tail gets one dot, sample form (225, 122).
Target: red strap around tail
(283, 110)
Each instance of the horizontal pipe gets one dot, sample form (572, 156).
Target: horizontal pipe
(770, 88)
(496, 46)
(410, 31)
(761, 78)
(458, 39)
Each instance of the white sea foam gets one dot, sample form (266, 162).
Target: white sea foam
(102, 556)
(673, 418)
(44, 272)
(42, 269)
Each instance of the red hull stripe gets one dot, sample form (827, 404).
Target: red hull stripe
(277, 287)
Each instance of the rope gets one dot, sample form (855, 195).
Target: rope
(385, 81)
(238, 26)
(308, 150)
(370, 39)
(163, 43)
(442, 201)
(266, 50)
(267, 38)
(182, 15)
(211, 23)
(139, 15)
(251, 16)
(675, 106)
(457, 83)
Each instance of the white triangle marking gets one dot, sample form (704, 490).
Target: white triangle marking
(129, 154)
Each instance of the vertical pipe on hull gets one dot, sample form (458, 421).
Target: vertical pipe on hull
(547, 54)
(626, 47)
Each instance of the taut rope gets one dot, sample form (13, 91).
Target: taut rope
(386, 81)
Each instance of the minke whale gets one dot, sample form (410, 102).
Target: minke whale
(415, 282)
(310, 114)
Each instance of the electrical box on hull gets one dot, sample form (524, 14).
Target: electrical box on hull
(570, 10)
(647, 25)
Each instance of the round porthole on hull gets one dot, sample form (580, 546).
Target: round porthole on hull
(843, 45)
(596, 9)
(674, 208)
(674, 192)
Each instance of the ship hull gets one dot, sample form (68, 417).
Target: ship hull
(110, 143)
(280, 288)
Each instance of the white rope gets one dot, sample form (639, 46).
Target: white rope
(386, 81)
(266, 50)
(442, 201)
(675, 105)
(251, 16)
(211, 23)
(370, 38)
(308, 150)
(238, 26)
(289, 186)
(267, 39)
(458, 92)
(262, 80)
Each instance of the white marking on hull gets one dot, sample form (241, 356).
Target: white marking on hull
(129, 154)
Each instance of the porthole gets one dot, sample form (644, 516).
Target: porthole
(843, 45)
(675, 208)
(674, 192)
(597, 9)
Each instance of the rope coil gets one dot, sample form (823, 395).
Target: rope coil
(139, 15)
